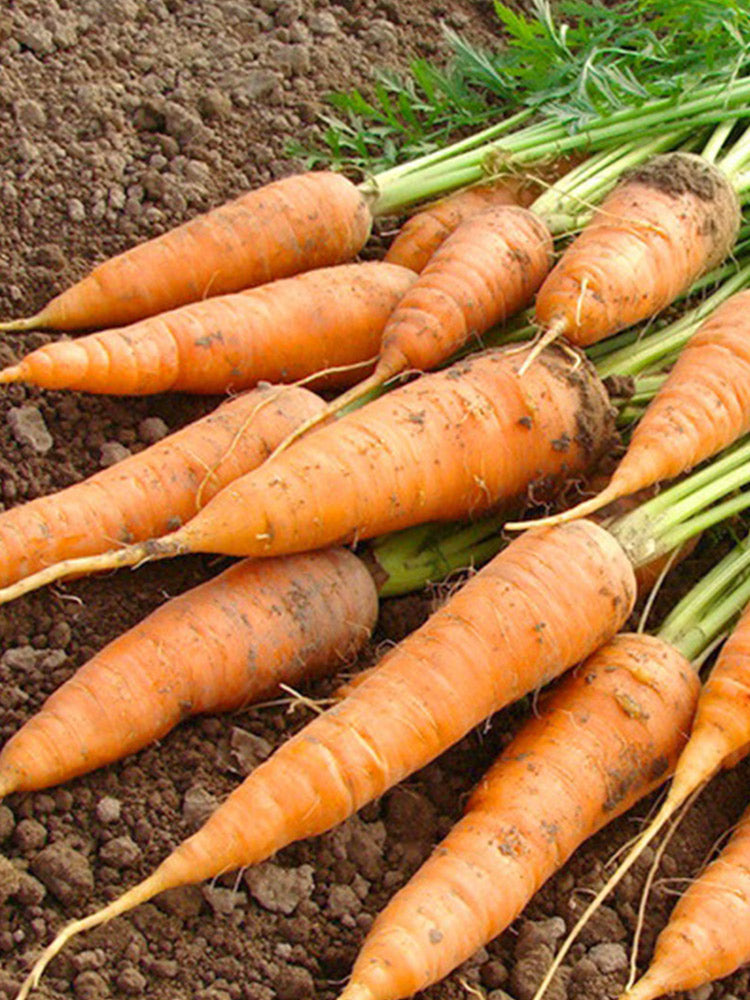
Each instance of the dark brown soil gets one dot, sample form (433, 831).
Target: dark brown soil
(118, 121)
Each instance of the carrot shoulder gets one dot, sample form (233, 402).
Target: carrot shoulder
(607, 735)
(284, 331)
(215, 648)
(703, 406)
(154, 491)
(512, 628)
(295, 224)
(662, 227)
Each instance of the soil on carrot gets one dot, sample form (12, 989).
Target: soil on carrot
(114, 129)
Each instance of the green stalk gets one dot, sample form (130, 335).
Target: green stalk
(393, 190)
(706, 610)
(408, 560)
(687, 508)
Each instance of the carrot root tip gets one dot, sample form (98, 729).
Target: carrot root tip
(19, 325)
(555, 330)
(13, 373)
(584, 509)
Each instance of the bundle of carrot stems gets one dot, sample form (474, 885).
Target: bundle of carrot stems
(489, 362)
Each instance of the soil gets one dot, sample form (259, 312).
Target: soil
(118, 121)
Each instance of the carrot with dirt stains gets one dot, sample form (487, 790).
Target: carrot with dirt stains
(509, 630)
(296, 224)
(222, 645)
(154, 491)
(608, 734)
(663, 226)
(452, 444)
(703, 406)
(328, 320)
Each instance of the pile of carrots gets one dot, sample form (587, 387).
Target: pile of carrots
(284, 480)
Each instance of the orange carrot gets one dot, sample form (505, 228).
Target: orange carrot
(284, 331)
(483, 273)
(703, 406)
(509, 630)
(292, 225)
(449, 445)
(424, 232)
(154, 491)
(608, 734)
(216, 648)
(708, 934)
(663, 226)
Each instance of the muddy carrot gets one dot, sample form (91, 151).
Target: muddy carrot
(292, 225)
(607, 735)
(154, 491)
(452, 444)
(330, 320)
(220, 646)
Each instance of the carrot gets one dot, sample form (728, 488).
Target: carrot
(708, 934)
(285, 331)
(295, 224)
(154, 491)
(608, 734)
(484, 272)
(663, 226)
(703, 406)
(509, 630)
(424, 232)
(452, 444)
(216, 648)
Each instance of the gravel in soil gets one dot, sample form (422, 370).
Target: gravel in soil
(119, 122)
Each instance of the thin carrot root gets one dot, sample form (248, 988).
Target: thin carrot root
(133, 897)
(549, 336)
(13, 373)
(584, 509)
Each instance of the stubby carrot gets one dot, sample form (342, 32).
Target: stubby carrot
(664, 225)
(292, 225)
(452, 444)
(156, 490)
(485, 271)
(607, 735)
(708, 933)
(703, 406)
(509, 630)
(330, 320)
(422, 234)
(226, 643)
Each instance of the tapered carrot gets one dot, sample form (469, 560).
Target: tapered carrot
(424, 232)
(509, 630)
(219, 646)
(609, 733)
(285, 331)
(154, 491)
(292, 225)
(708, 934)
(452, 444)
(703, 406)
(664, 225)
(484, 272)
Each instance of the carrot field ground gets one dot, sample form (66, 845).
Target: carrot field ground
(118, 121)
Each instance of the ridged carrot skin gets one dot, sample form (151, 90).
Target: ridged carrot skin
(215, 648)
(424, 232)
(449, 445)
(708, 934)
(283, 331)
(157, 489)
(508, 631)
(661, 228)
(607, 735)
(296, 224)
(486, 271)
